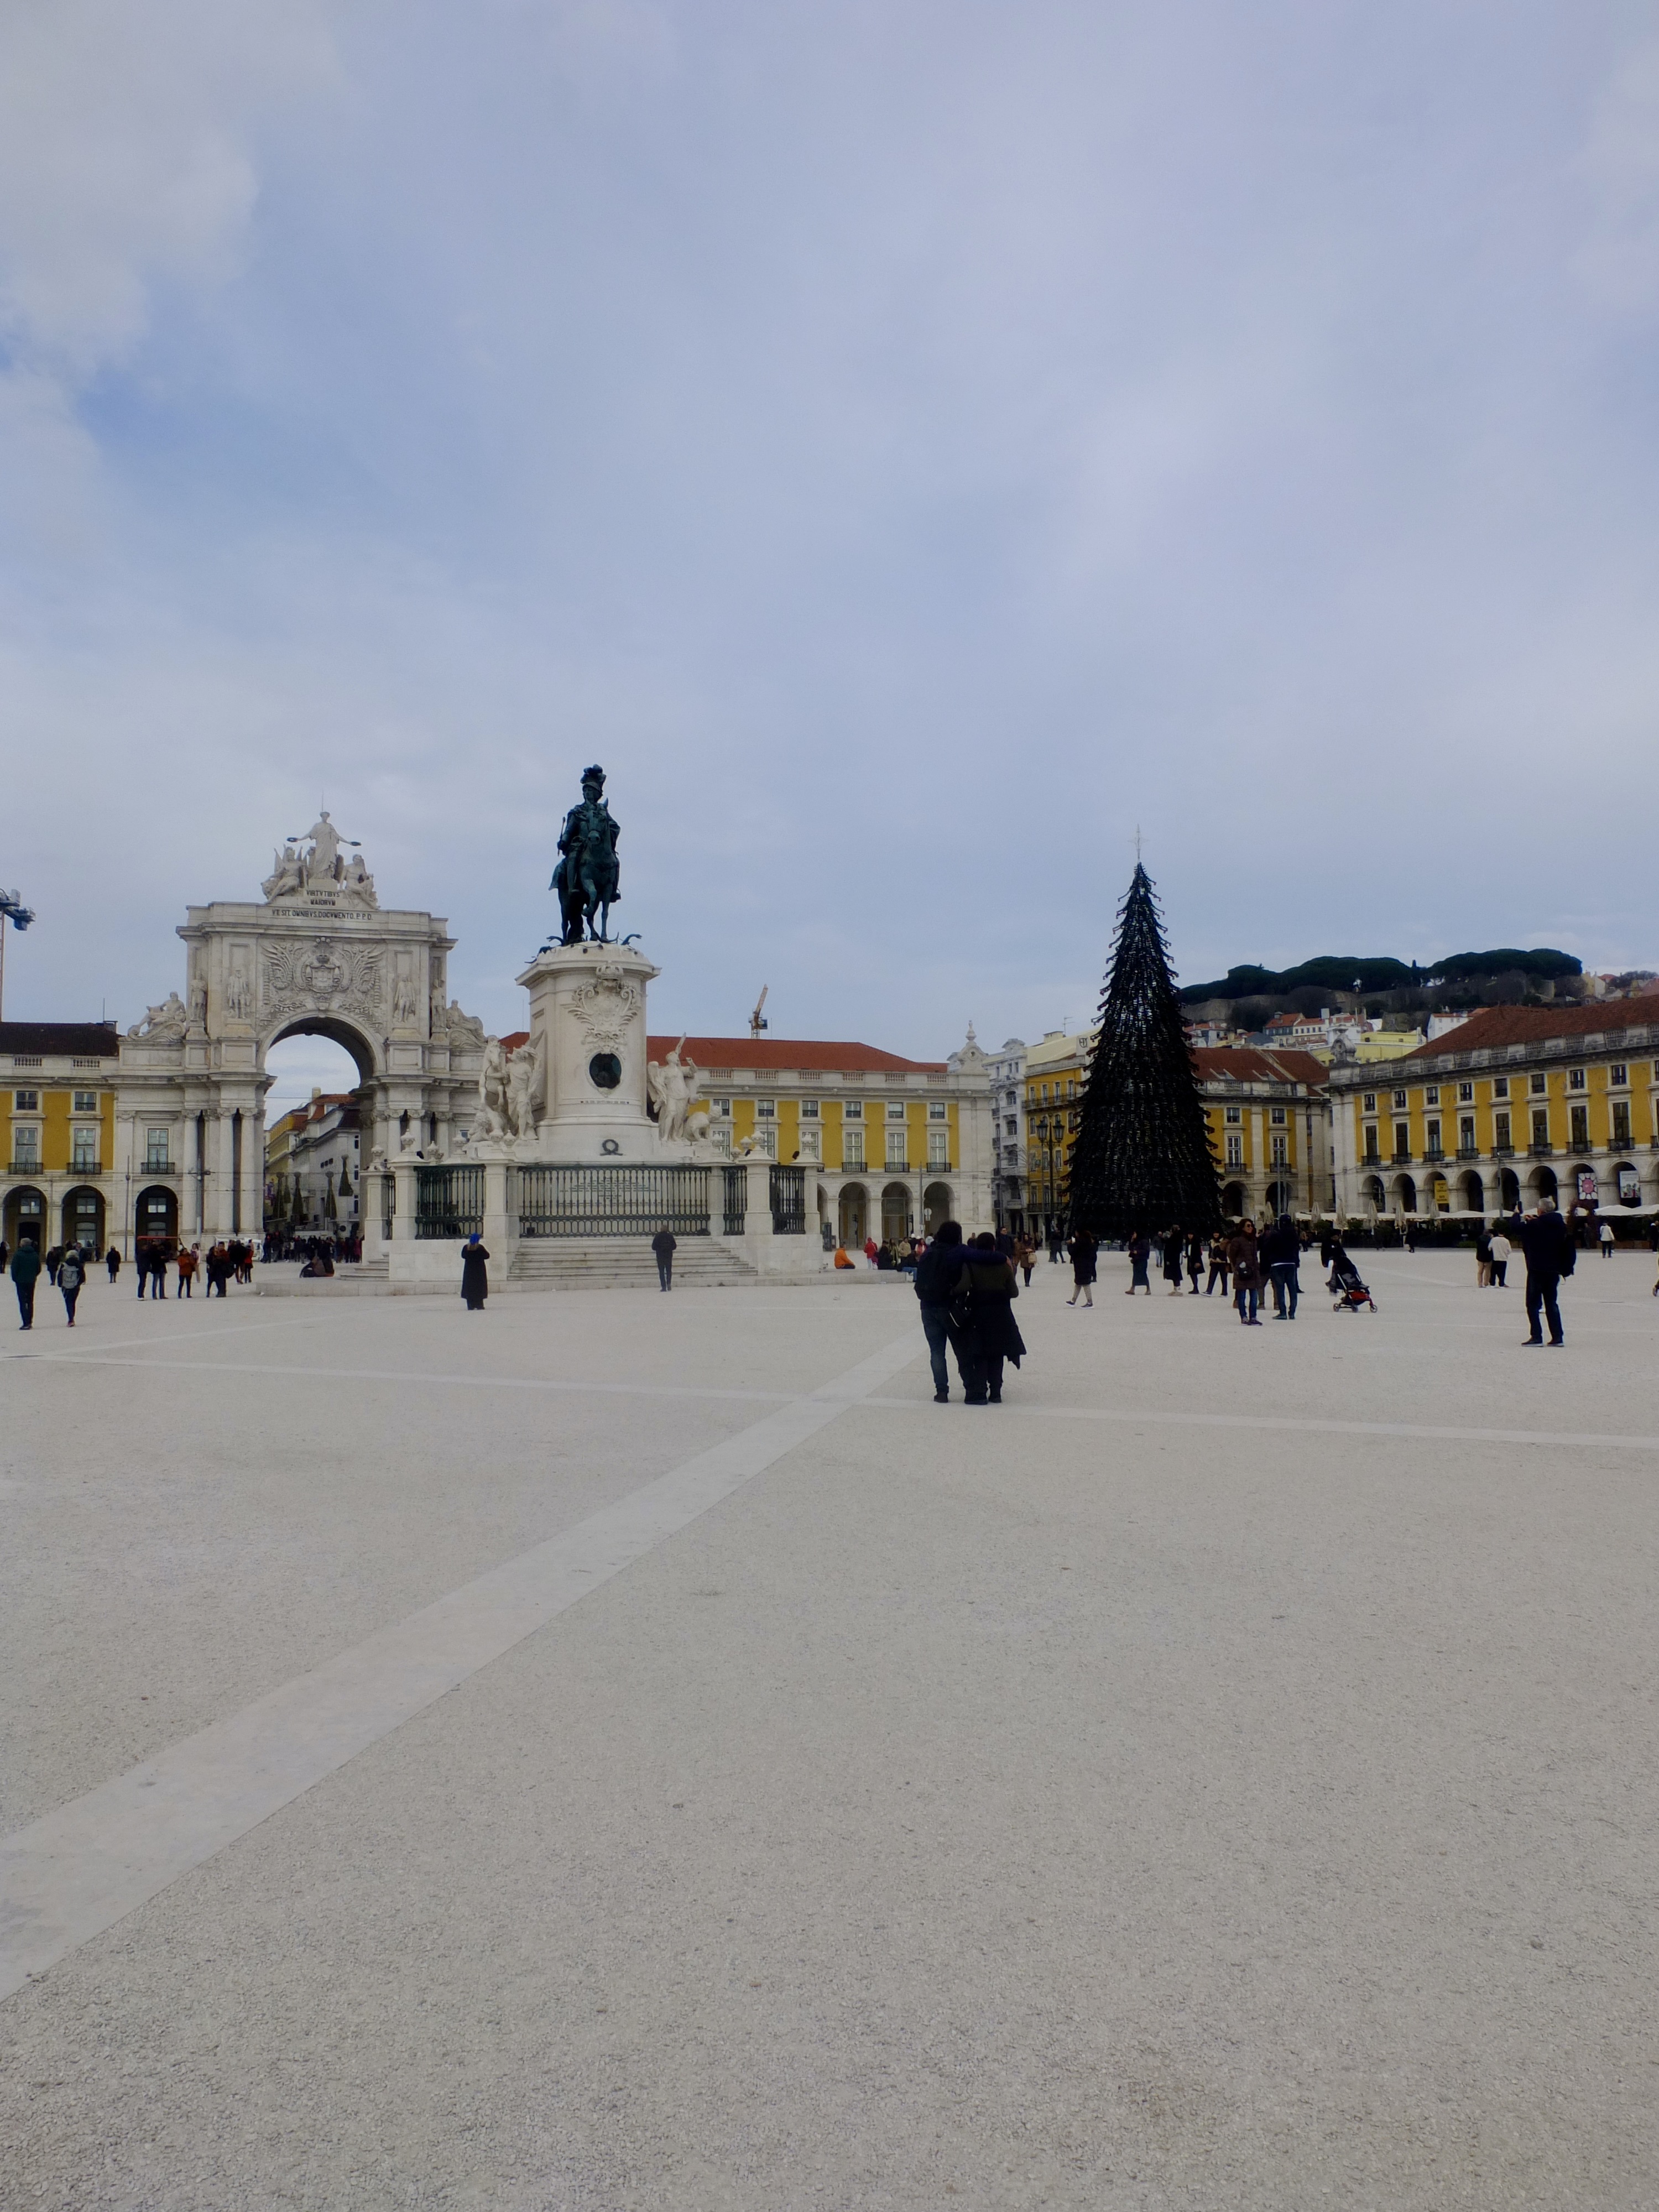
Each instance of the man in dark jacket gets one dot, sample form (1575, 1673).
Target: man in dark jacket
(25, 1269)
(936, 1282)
(664, 1244)
(1546, 1241)
(1281, 1248)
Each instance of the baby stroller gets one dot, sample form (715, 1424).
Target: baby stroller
(1349, 1293)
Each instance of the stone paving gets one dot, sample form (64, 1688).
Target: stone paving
(628, 1750)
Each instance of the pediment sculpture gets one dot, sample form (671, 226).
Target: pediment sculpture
(316, 863)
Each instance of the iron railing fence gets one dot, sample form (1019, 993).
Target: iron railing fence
(449, 1201)
(734, 1201)
(612, 1201)
(788, 1201)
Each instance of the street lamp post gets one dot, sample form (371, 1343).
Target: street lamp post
(12, 909)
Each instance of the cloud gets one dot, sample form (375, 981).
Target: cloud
(124, 160)
(907, 444)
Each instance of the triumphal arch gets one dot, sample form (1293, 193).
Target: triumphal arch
(317, 957)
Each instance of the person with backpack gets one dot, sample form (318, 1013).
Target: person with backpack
(71, 1273)
(982, 1309)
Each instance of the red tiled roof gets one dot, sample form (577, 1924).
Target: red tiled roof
(1501, 1025)
(1250, 1063)
(808, 1055)
(514, 1039)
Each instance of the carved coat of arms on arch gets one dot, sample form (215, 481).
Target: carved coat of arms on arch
(321, 977)
(606, 1006)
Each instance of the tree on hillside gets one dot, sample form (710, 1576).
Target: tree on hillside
(1142, 1157)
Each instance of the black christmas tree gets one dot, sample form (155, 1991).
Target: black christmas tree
(1142, 1158)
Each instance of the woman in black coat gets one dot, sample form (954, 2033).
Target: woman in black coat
(475, 1273)
(982, 1307)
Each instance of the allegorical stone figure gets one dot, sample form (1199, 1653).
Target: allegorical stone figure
(587, 876)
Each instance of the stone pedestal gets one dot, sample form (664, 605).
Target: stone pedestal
(588, 1017)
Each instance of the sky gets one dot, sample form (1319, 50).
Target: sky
(914, 448)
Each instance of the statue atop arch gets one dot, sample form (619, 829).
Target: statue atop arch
(320, 875)
(587, 876)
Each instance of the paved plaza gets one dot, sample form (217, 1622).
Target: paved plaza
(622, 1751)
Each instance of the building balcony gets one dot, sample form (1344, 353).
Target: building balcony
(1503, 1152)
(1401, 1160)
(1469, 1152)
(1539, 1152)
(157, 1167)
(28, 1167)
(85, 1168)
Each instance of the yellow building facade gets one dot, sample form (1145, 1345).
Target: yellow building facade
(57, 1133)
(1532, 1102)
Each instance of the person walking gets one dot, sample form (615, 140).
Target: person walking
(71, 1273)
(1245, 1261)
(1547, 1243)
(1483, 1259)
(983, 1310)
(1281, 1251)
(1173, 1245)
(1025, 1257)
(664, 1245)
(25, 1273)
(1220, 1265)
(936, 1284)
(1605, 1237)
(1501, 1249)
(112, 1261)
(1195, 1259)
(159, 1256)
(475, 1273)
(1081, 1250)
(1139, 1250)
(141, 1261)
(189, 1262)
(1055, 1243)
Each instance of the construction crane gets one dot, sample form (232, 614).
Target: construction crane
(757, 1021)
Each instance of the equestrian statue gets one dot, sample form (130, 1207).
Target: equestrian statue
(587, 875)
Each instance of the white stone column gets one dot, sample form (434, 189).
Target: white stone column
(500, 1229)
(253, 1175)
(759, 1243)
(403, 1216)
(222, 1140)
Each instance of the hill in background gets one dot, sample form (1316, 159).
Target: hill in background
(1248, 996)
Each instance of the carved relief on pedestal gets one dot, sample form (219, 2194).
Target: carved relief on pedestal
(606, 1007)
